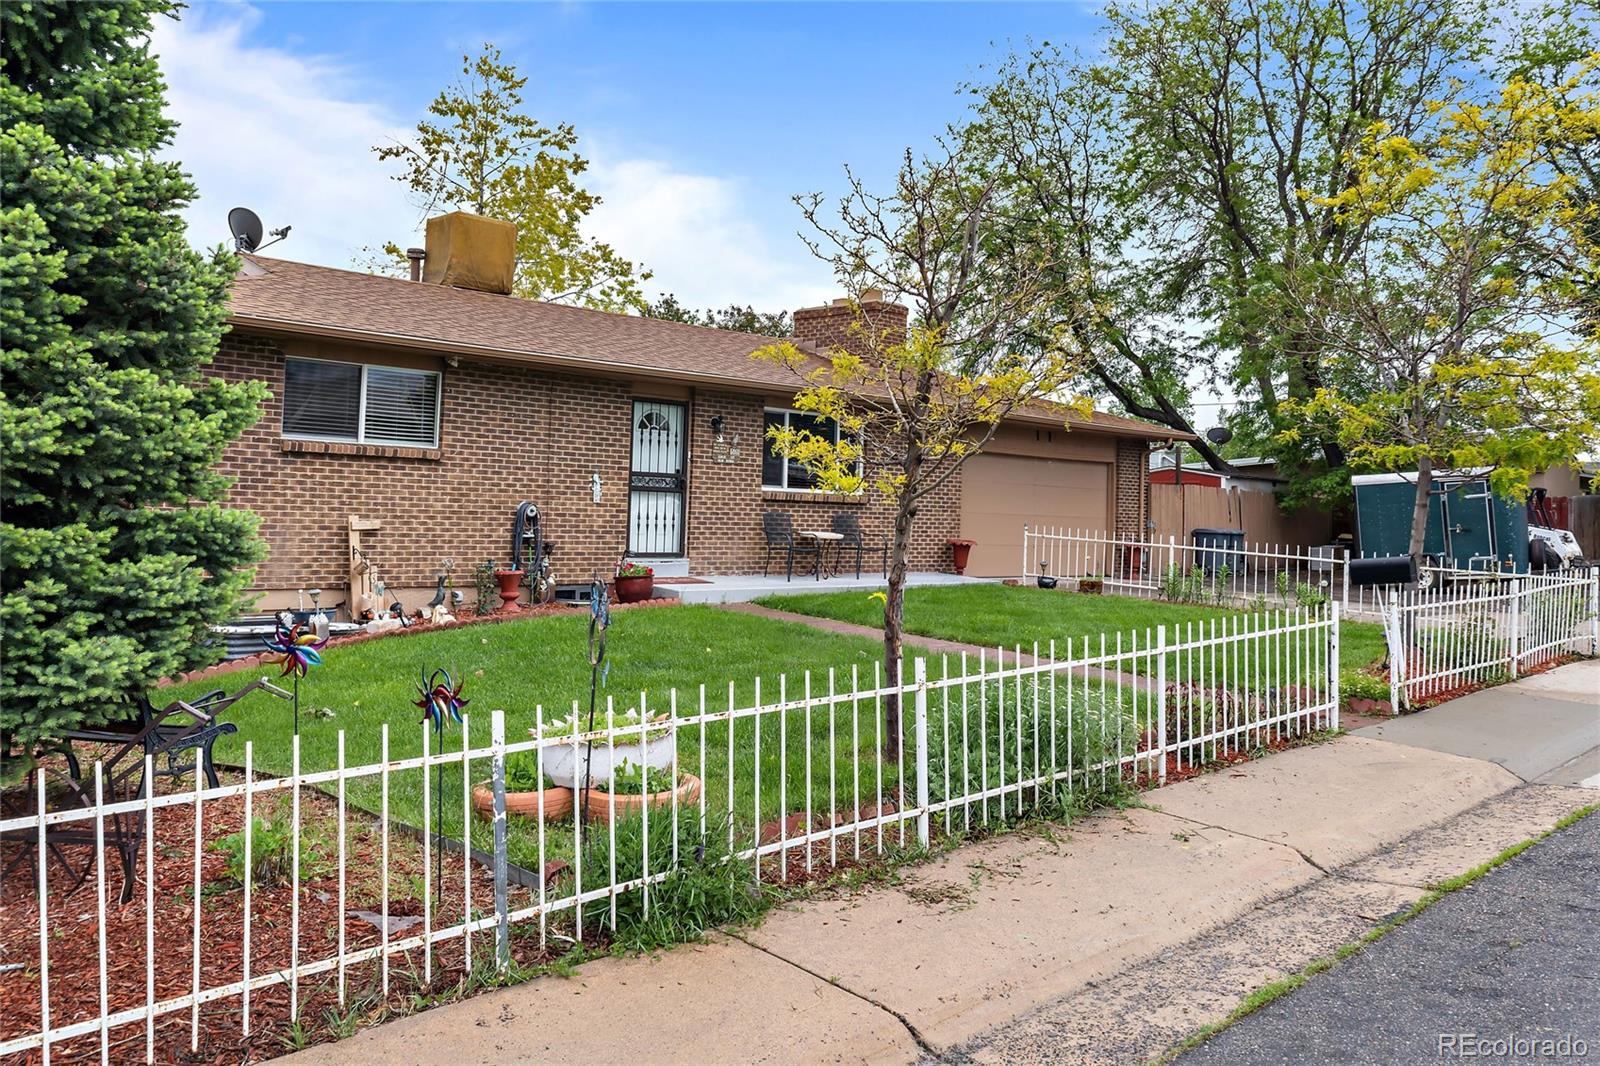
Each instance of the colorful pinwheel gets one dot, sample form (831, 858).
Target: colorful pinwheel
(440, 698)
(297, 648)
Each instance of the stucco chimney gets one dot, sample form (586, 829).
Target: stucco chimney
(471, 252)
(830, 326)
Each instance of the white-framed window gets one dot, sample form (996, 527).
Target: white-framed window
(778, 472)
(360, 403)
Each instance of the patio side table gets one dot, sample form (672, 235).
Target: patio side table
(824, 537)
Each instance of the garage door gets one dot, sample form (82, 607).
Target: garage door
(999, 493)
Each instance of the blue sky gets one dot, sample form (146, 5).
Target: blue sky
(701, 119)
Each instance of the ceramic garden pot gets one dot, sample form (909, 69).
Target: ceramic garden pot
(598, 805)
(510, 587)
(557, 803)
(634, 589)
(563, 763)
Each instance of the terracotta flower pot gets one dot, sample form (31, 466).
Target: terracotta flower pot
(960, 551)
(598, 804)
(510, 587)
(634, 589)
(557, 803)
(1093, 586)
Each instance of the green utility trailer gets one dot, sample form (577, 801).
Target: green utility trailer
(1469, 528)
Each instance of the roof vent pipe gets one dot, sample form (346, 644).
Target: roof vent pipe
(416, 255)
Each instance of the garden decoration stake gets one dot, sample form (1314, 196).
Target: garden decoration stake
(298, 649)
(599, 621)
(440, 698)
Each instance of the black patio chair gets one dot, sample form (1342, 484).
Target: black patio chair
(779, 530)
(849, 527)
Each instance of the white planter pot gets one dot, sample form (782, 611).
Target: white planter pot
(563, 763)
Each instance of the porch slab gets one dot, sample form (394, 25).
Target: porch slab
(742, 588)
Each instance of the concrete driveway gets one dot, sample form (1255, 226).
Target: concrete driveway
(1544, 728)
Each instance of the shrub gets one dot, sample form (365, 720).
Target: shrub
(271, 852)
(706, 888)
(118, 548)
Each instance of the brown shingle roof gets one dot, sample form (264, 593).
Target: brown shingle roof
(280, 296)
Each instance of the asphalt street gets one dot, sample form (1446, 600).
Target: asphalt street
(1498, 967)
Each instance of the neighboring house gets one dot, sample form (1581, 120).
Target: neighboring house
(1252, 474)
(428, 411)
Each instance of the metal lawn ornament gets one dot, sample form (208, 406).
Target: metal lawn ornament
(599, 622)
(440, 701)
(298, 649)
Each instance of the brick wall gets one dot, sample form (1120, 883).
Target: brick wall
(509, 434)
(1132, 489)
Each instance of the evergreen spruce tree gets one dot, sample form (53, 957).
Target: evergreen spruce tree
(117, 551)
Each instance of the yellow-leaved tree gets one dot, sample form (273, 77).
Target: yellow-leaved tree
(913, 405)
(1463, 339)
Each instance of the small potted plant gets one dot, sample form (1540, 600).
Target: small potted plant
(634, 582)
(527, 792)
(632, 787)
(1092, 585)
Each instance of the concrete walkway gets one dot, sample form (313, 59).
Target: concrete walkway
(1543, 728)
(1106, 942)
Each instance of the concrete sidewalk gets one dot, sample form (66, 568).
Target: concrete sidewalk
(1542, 728)
(1105, 942)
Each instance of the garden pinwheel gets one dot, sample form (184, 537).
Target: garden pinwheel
(599, 666)
(441, 697)
(298, 649)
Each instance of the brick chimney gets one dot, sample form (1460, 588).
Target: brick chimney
(470, 252)
(829, 326)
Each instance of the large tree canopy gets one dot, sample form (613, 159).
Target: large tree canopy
(1191, 168)
(117, 551)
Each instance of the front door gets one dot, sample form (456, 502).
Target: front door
(655, 481)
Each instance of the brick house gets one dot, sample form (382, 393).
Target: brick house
(424, 413)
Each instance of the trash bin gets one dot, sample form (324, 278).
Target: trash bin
(1216, 548)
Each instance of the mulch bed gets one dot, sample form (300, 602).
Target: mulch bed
(74, 947)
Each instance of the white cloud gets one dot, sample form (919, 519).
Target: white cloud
(290, 135)
(699, 236)
(283, 133)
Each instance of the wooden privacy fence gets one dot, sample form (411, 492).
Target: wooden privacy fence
(1583, 518)
(1176, 509)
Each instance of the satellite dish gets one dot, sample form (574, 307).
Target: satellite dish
(246, 227)
(1219, 434)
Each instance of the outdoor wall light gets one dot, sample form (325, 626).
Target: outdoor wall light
(717, 422)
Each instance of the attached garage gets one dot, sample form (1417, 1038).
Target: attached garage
(1002, 492)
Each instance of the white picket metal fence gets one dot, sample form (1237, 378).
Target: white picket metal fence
(789, 781)
(1493, 630)
(1224, 572)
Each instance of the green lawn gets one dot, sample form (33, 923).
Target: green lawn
(542, 662)
(998, 615)
(519, 666)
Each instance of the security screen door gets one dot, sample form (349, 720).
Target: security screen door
(656, 480)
